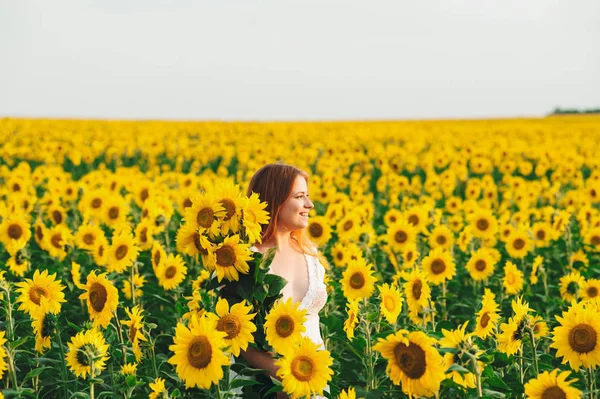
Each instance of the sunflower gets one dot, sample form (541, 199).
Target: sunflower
(237, 323)
(350, 393)
(19, 262)
(159, 255)
(85, 348)
(171, 272)
(230, 258)
(114, 210)
(158, 388)
(319, 230)
(488, 316)
(576, 339)
(439, 266)
(590, 289)
(542, 234)
(458, 339)
(592, 238)
(401, 234)
(136, 334)
(305, 370)
(3, 354)
(481, 264)
(43, 328)
(144, 235)
(129, 369)
(352, 319)
(348, 228)
(122, 253)
(579, 259)
(483, 224)
(15, 228)
(40, 231)
(42, 292)
(88, 236)
(538, 326)
(552, 385)
(513, 278)
(102, 299)
(231, 199)
(206, 212)
(391, 302)
(392, 216)
(417, 289)
(100, 251)
(138, 283)
(413, 362)
(92, 202)
(198, 353)
(284, 325)
(518, 244)
(410, 254)
(253, 216)
(537, 262)
(357, 280)
(418, 217)
(441, 237)
(191, 241)
(56, 240)
(513, 332)
(570, 286)
(57, 214)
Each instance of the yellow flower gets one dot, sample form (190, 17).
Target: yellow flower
(401, 234)
(418, 217)
(42, 292)
(129, 369)
(43, 328)
(85, 348)
(518, 244)
(537, 262)
(19, 262)
(350, 393)
(483, 224)
(159, 255)
(513, 332)
(592, 238)
(3, 365)
(352, 319)
(457, 339)
(231, 198)
(87, 236)
(413, 362)
(576, 339)
(230, 258)
(144, 235)
(481, 264)
(513, 278)
(552, 385)
(136, 325)
(417, 289)
(102, 299)
(56, 240)
(488, 316)
(439, 266)
(590, 289)
(542, 234)
(253, 216)
(391, 302)
(122, 253)
(171, 272)
(284, 325)
(570, 286)
(305, 370)
(237, 323)
(138, 283)
(15, 228)
(198, 353)
(206, 212)
(441, 237)
(158, 388)
(358, 281)
(319, 230)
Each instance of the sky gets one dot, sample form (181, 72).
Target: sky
(297, 60)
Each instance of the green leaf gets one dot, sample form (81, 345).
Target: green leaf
(82, 395)
(275, 283)
(19, 342)
(459, 368)
(241, 382)
(250, 371)
(35, 372)
(493, 394)
(131, 381)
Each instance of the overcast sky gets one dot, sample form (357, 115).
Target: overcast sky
(297, 60)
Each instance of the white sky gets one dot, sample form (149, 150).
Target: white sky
(280, 59)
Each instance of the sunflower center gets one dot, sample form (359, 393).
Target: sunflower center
(340, 256)
(199, 352)
(541, 234)
(592, 292)
(480, 265)
(483, 224)
(82, 357)
(485, 319)
(229, 206)
(554, 392)
(519, 243)
(303, 368)
(438, 266)
(357, 280)
(595, 240)
(411, 360)
(413, 219)
(96, 203)
(416, 289)
(187, 203)
(121, 251)
(15, 231)
(582, 338)
(144, 195)
(88, 239)
(284, 326)
(441, 240)
(400, 237)
(47, 328)
(101, 250)
(98, 296)
(36, 294)
(390, 303)
(409, 256)
(225, 256)
(315, 230)
(157, 257)
(170, 272)
(39, 232)
(572, 288)
(229, 324)
(144, 234)
(205, 217)
(348, 225)
(57, 216)
(56, 240)
(132, 332)
(113, 212)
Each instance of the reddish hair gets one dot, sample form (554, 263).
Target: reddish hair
(273, 183)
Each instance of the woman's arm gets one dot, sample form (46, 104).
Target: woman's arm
(263, 360)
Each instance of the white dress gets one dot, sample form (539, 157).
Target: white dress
(314, 300)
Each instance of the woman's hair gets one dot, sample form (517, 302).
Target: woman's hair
(273, 183)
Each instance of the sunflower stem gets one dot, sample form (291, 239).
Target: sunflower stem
(534, 354)
(120, 335)
(477, 373)
(444, 310)
(369, 352)
(131, 283)
(11, 367)
(63, 369)
(11, 327)
(521, 371)
(590, 373)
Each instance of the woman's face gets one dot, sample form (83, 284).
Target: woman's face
(294, 212)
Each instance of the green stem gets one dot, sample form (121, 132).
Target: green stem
(11, 327)
(444, 311)
(63, 369)
(11, 367)
(131, 283)
(477, 373)
(521, 371)
(368, 351)
(535, 361)
(590, 373)
(120, 335)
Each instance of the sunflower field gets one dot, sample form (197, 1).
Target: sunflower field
(462, 259)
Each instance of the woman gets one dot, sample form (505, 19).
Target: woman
(285, 189)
